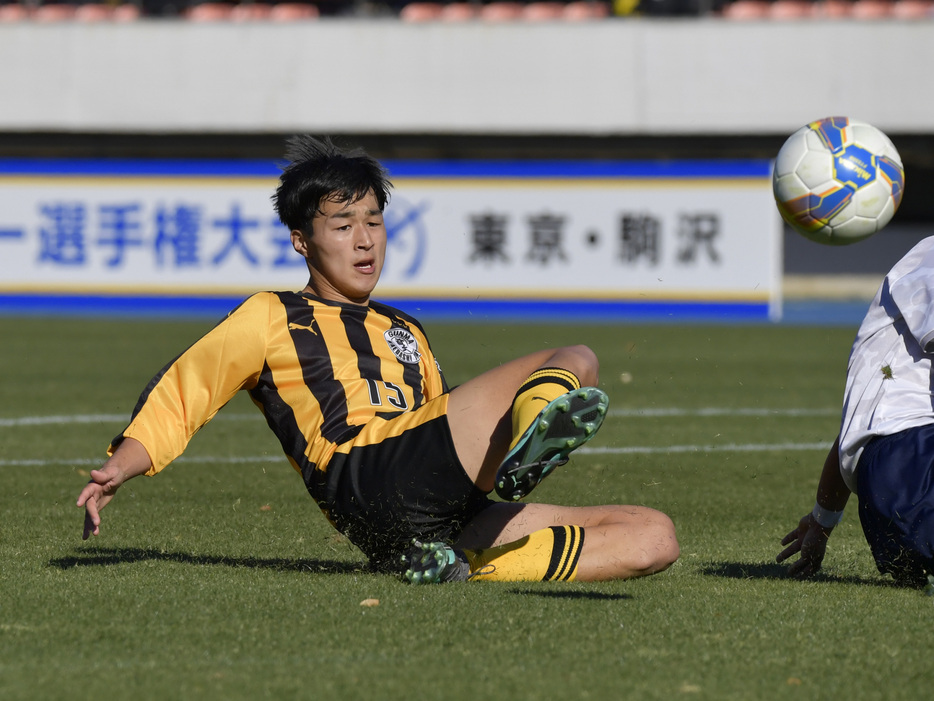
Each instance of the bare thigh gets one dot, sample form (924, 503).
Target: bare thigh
(619, 541)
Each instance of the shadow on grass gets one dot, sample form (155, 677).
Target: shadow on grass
(103, 557)
(773, 570)
(594, 595)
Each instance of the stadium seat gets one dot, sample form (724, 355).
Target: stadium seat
(504, 11)
(791, 9)
(746, 9)
(586, 9)
(833, 9)
(421, 12)
(100, 12)
(127, 12)
(543, 11)
(872, 9)
(459, 12)
(250, 12)
(14, 12)
(293, 11)
(913, 9)
(94, 12)
(209, 12)
(57, 12)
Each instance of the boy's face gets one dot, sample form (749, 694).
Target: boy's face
(345, 251)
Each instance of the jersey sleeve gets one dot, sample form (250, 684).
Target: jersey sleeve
(912, 293)
(190, 390)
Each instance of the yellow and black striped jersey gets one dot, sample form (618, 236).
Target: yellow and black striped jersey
(318, 370)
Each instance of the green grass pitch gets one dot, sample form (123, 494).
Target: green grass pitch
(219, 579)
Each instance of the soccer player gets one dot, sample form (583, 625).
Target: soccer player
(398, 462)
(885, 449)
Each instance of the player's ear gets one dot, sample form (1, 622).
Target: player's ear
(299, 242)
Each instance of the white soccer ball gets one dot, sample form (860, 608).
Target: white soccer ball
(838, 181)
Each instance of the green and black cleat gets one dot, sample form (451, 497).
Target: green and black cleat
(430, 563)
(561, 427)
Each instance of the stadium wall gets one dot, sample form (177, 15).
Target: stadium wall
(618, 89)
(383, 76)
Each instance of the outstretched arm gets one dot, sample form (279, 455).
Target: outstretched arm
(129, 460)
(810, 537)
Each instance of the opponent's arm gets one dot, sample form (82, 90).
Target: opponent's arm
(810, 537)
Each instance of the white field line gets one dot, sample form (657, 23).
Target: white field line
(722, 448)
(120, 419)
(189, 459)
(718, 411)
(23, 421)
(621, 450)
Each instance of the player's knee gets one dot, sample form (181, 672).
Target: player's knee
(587, 365)
(669, 550)
(661, 549)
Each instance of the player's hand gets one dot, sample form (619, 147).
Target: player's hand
(129, 460)
(96, 495)
(810, 540)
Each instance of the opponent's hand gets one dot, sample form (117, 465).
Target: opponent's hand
(810, 540)
(96, 495)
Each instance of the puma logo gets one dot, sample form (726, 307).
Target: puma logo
(299, 327)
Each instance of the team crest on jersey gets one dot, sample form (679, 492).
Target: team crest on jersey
(403, 344)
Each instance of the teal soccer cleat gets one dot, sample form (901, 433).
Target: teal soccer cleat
(430, 563)
(564, 425)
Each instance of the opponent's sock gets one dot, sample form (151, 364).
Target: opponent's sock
(550, 554)
(541, 387)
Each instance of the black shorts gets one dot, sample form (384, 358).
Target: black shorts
(895, 485)
(400, 479)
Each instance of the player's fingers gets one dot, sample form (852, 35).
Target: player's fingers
(798, 569)
(793, 536)
(99, 476)
(88, 526)
(92, 518)
(86, 494)
(792, 549)
(803, 568)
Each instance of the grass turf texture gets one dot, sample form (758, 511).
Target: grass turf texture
(220, 579)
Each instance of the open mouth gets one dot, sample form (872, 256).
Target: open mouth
(365, 266)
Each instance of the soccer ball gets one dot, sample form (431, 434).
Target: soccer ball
(838, 181)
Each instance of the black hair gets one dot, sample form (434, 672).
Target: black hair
(317, 171)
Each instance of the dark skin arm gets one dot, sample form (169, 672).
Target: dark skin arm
(809, 539)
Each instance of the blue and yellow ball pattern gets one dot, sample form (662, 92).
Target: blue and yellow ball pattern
(838, 180)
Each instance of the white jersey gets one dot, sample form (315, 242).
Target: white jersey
(889, 385)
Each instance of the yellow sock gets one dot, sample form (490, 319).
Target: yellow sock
(550, 554)
(541, 387)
